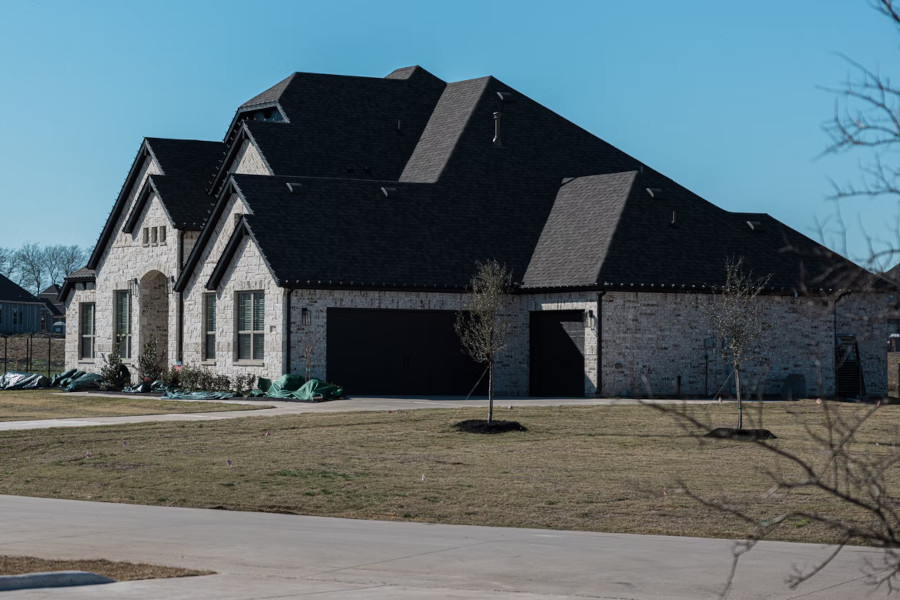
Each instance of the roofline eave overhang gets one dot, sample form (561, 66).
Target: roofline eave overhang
(205, 233)
(147, 189)
(143, 152)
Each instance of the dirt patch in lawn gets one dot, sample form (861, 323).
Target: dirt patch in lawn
(118, 571)
(485, 426)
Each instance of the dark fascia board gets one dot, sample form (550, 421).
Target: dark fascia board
(251, 108)
(205, 234)
(143, 152)
(237, 236)
(375, 287)
(144, 196)
(222, 173)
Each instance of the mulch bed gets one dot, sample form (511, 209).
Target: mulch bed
(741, 435)
(483, 426)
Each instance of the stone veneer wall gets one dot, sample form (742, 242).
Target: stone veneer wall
(649, 340)
(512, 364)
(124, 260)
(249, 161)
(247, 272)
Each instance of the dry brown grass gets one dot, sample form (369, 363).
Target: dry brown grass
(29, 405)
(118, 571)
(580, 468)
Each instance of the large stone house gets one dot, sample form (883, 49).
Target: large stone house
(341, 219)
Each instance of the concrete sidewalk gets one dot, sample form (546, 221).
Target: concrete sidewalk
(373, 403)
(259, 555)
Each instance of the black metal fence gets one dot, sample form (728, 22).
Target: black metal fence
(43, 353)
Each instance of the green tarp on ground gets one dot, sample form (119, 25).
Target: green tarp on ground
(85, 381)
(65, 378)
(293, 387)
(15, 380)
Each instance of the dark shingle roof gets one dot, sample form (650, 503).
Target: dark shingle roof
(355, 127)
(188, 166)
(556, 204)
(81, 275)
(343, 231)
(12, 292)
(578, 232)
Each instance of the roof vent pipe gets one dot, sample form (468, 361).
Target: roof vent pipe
(496, 140)
(654, 192)
(504, 96)
(389, 192)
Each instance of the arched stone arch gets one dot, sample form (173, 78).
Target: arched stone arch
(154, 313)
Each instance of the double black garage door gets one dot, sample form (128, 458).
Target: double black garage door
(417, 352)
(402, 352)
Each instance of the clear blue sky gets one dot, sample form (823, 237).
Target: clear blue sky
(724, 97)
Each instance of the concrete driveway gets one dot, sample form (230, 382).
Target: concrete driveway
(258, 555)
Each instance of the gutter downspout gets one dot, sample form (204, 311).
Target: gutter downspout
(599, 392)
(286, 367)
(179, 334)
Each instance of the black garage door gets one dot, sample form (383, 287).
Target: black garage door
(401, 352)
(557, 353)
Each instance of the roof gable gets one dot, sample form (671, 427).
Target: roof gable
(13, 292)
(578, 232)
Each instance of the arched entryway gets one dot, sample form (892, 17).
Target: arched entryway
(154, 311)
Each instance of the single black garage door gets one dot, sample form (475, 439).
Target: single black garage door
(401, 352)
(557, 353)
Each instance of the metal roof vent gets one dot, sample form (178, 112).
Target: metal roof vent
(754, 225)
(496, 140)
(390, 192)
(294, 187)
(654, 193)
(505, 96)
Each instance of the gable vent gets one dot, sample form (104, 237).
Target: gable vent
(654, 193)
(390, 192)
(294, 187)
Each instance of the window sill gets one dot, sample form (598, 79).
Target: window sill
(208, 363)
(86, 361)
(249, 363)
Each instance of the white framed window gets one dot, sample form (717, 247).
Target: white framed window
(209, 327)
(251, 310)
(122, 316)
(86, 330)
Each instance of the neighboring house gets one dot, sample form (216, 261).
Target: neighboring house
(53, 316)
(343, 217)
(20, 311)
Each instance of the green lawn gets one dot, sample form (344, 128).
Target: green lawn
(29, 405)
(581, 468)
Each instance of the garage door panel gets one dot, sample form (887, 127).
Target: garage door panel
(402, 352)
(557, 353)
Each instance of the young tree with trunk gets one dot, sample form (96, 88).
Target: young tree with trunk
(480, 327)
(857, 474)
(739, 318)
